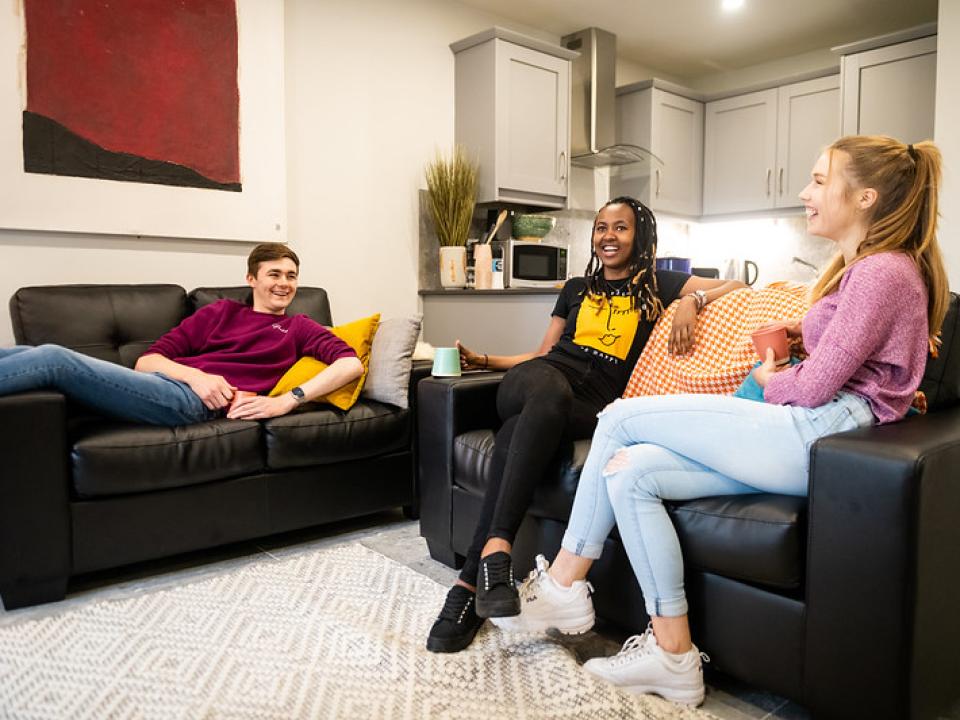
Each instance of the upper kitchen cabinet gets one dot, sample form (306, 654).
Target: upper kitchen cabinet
(890, 90)
(807, 121)
(513, 114)
(671, 127)
(759, 147)
(740, 150)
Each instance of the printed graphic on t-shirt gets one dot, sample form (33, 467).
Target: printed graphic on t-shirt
(606, 328)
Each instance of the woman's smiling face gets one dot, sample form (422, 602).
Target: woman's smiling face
(828, 198)
(614, 231)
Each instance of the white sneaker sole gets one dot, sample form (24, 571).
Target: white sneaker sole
(693, 698)
(572, 626)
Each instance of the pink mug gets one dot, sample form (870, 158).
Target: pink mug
(772, 337)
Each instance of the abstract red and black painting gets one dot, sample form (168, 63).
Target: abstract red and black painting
(133, 90)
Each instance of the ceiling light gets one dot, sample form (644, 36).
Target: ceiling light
(731, 5)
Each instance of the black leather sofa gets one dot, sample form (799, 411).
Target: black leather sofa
(848, 603)
(80, 493)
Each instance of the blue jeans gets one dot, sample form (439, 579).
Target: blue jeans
(681, 447)
(104, 386)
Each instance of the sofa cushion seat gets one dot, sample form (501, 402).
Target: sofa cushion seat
(111, 457)
(321, 434)
(755, 538)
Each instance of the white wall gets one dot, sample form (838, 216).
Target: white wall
(947, 133)
(369, 98)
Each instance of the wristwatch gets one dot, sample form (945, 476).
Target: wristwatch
(298, 395)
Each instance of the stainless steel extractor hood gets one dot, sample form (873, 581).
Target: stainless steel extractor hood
(593, 104)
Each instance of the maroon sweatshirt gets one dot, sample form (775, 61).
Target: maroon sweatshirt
(252, 350)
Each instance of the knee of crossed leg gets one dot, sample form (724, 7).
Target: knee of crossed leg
(55, 357)
(631, 474)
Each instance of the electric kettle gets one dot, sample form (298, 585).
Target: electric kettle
(746, 271)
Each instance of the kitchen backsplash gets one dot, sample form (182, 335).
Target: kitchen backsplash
(779, 246)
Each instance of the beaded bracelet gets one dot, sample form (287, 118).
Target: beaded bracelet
(700, 298)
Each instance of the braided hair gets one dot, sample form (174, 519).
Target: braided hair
(642, 268)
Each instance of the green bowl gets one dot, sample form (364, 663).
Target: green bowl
(532, 226)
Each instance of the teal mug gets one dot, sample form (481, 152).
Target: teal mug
(446, 362)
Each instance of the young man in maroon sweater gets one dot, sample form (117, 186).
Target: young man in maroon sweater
(192, 373)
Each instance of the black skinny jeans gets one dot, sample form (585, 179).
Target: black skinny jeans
(541, 406)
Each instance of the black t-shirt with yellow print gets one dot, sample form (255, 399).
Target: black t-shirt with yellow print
(602, 340)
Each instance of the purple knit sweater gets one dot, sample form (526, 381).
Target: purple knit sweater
(252, 350)
(869, 338)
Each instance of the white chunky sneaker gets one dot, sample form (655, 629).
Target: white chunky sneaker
(544, 604)
(642, 666)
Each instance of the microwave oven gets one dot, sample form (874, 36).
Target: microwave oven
(533, 264)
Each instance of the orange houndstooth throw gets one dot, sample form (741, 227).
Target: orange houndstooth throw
(723, 352)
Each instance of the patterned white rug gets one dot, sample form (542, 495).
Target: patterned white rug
(335, 633)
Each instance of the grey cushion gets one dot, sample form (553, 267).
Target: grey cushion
(391, 357)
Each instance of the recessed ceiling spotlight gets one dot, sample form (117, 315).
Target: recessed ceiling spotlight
(731, 5)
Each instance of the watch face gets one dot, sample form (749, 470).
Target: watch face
(298, 394)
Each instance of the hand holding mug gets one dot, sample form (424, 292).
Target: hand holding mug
(766, 369)
(470, 360)
(773, 339)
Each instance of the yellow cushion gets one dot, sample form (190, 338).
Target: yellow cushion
(358, 335)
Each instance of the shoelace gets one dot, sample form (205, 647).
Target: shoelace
(498, 571)
(641, 645)
(528, 588)
(635, 645)
(456, 606)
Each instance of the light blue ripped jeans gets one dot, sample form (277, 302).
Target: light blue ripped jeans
(681, 447)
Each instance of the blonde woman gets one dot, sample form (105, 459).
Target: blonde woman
(877, 309)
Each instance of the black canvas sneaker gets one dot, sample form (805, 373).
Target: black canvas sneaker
(457, 623)
(496, 590)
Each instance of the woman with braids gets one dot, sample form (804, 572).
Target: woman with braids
(598, 328)
(877, 309)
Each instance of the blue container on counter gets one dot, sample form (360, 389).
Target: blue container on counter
(674, 263)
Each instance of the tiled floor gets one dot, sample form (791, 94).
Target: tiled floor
(398, 539)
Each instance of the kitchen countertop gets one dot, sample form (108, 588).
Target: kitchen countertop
(501, 293)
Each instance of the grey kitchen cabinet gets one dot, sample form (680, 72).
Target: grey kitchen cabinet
(740, 151)
(891, 90)
(670, 126)
(512, 113)
(808, 120)
(759, 147)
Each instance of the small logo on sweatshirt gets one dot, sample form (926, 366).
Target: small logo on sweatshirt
(278, 326)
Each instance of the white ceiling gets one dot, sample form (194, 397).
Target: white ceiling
(689, 38)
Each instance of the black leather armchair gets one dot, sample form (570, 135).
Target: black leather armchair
(80, 493)
(844, 601)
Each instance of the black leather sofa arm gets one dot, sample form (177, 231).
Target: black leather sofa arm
(447, 407)
(884, 513)
(34, 498)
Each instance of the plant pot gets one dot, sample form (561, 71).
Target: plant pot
(453, 266)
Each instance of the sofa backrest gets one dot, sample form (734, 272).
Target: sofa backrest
(941, 380)
(110, 322)
(119, 322)
(310, 301)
